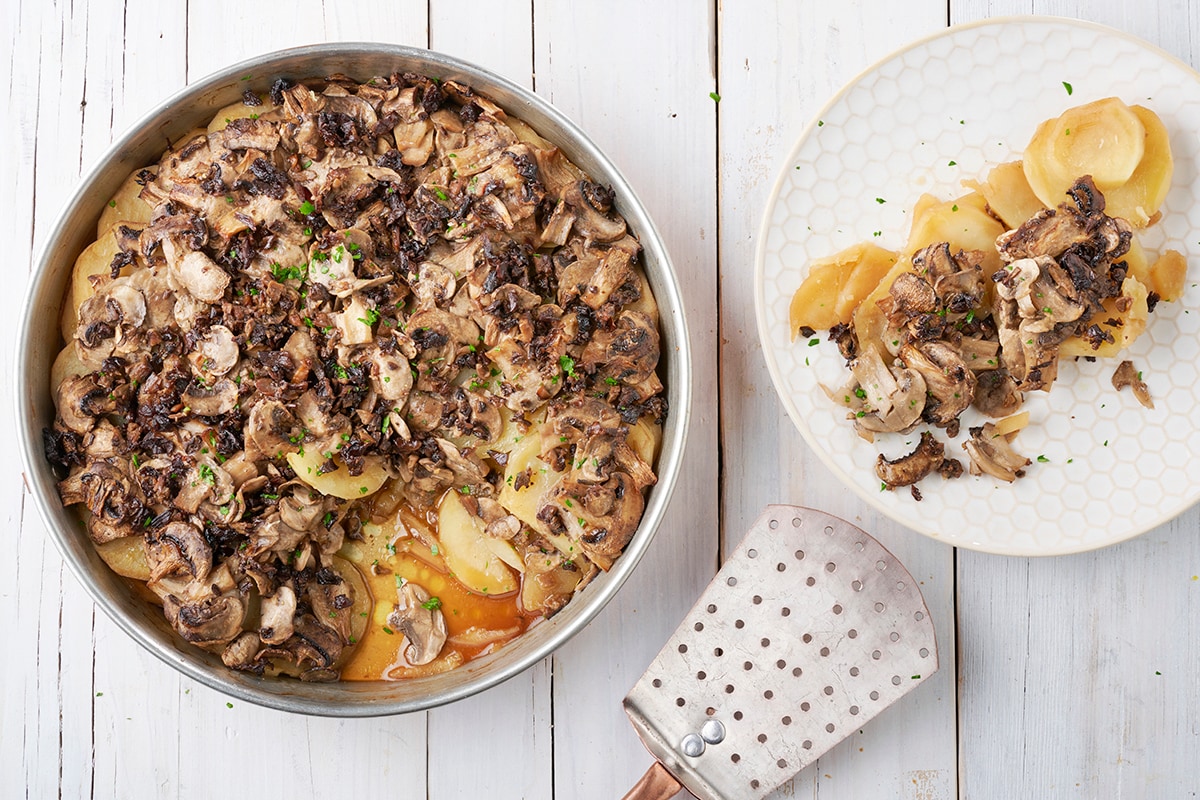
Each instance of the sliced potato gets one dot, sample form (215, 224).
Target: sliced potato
(1008, 194)
(1104, 139)
(94, 261)
(339, 483)
(66, 365)
(644, 438)
(1139, 199)
(125, 206)
(1134, 322)
(470, 553)
(814, 305)
(523, 503)
(963, 222)
(869, 322)
(126, 557)
(1167, 275)
(873, 264)
(234, 111)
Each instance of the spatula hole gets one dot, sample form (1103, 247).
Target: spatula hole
(752, 553)
(828, 690)
(797, 672)
(875, 654)
(829, 530)
(781, 763)
(859, 546)
(805, 706)
(799, 555)
(718, 652)
(853, 634)
(899, 586)
(824, 651)
(739, 624)
(683, 648)
(831, 567)
(735, 758)
(829, 727)
(737, 715)
(856, 586)
(837, 609)
(786, 720)
(712, 609)
(701, 675)
(854, 672)
(729, 688)
(765, 642)
(748, 666)
(795, 522)
(811, 581)
(881, 565)
(754, 783)
(656, 683)
(895, 637)
(874, 695)
(919, 616)
(731, 581)
(854, 710)
(895, 680)
(699, 626)
(780, 664)
(879, 607)
(807, 744)
(768, 694)
(774, 524)
(780, 567)
(679, 701)
(762, 738)
(756, 599)
(785, 611)
(806, 638)
(924, 651)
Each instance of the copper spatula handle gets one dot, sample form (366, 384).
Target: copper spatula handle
(656, 784)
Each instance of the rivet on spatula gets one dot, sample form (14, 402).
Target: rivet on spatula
(712, 732)
(692, 745)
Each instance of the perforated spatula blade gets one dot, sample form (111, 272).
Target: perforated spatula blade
(810, 629)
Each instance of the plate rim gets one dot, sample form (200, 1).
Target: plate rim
(759, 288)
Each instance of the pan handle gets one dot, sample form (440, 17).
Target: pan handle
(656, 784)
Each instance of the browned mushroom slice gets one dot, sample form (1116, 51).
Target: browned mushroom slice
(957, 279)
(991, 453)
(177, 548)
(211, 620)
(951, 386)
(242, 653)
(107, 491)
(592, 205)
(912, 467)
(892, 402)
(211, 401)
(1127, 375)
(419, 617)
(996, 394)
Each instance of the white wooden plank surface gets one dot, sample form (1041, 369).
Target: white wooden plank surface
(1055, 661)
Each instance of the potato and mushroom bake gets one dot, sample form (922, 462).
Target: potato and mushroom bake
(360, 381)
(1038, 263)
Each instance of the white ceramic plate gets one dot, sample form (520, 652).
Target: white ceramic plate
(973, 95)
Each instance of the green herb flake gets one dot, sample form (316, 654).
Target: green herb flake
(568, 365)
(111, 204)
(432, 604)
(716, 98)
(813, 342)
(1043, 460)
(880, 200)
(1070, 89)
(307, 208)
(952, 164)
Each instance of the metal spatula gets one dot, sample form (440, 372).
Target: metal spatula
(808, 631)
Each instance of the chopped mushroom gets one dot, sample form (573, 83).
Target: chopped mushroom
(420, 619)
(908, 469)
(991, 453)
(1127, 375)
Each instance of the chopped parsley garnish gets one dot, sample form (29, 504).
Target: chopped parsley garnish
(307, 208)
(568, 365)
(432, 604)
(716, 98)
(1070, 89)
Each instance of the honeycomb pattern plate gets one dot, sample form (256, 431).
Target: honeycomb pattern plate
(947, 109)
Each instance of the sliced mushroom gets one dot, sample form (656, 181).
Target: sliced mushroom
(950, 385)
(177, 548)
(592, 206)
(278, 611)
(214, 620)
(391, 375)
(216, 353)
(912, 467)
(991, 453)
(1126, 375)
(242, 653)
(271, 430)
(894, 401)
(420, 619)
(201, 276)
(212, 401)
(996, 394)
